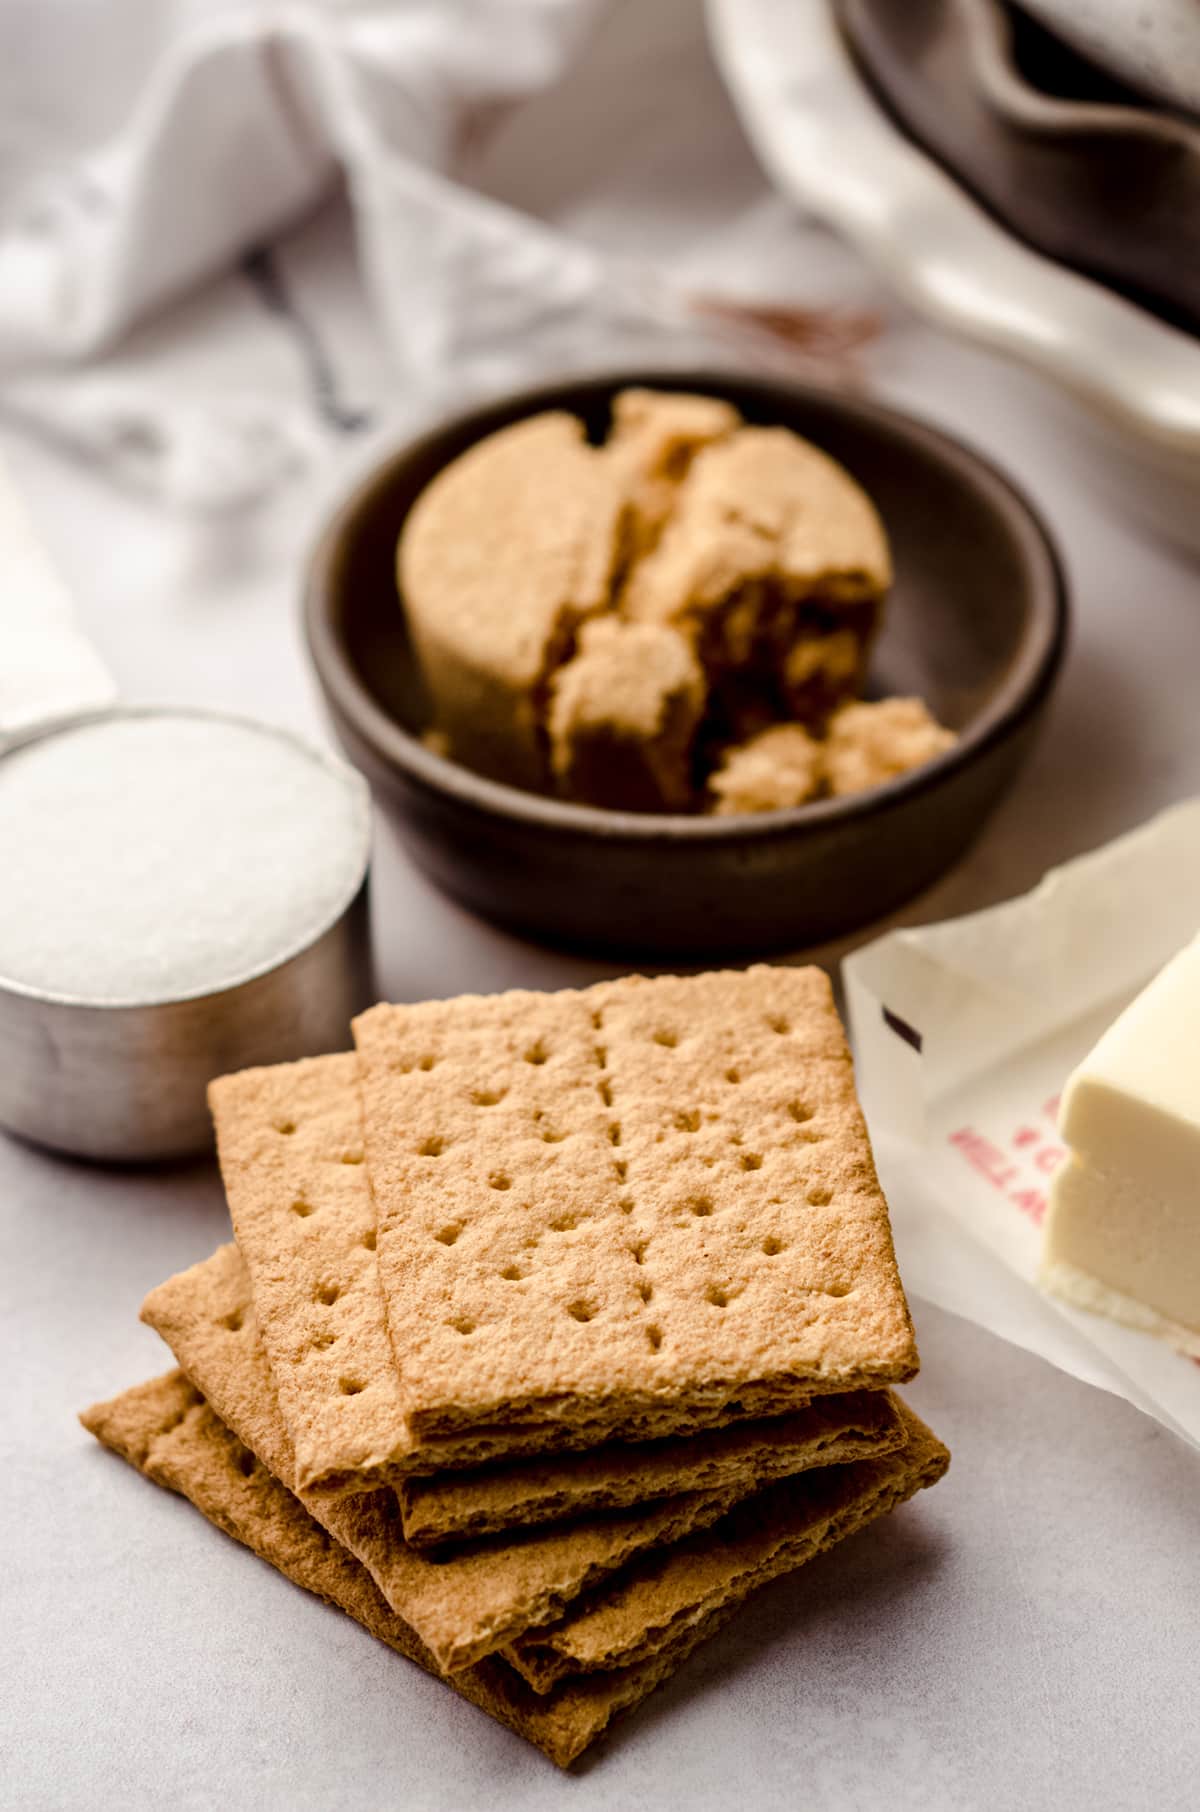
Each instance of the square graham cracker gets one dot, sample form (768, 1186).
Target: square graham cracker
(457, 1506)
(290, 1144)
(778, 1530)
(648, 1195)
(167, 1431)
(462, 1607)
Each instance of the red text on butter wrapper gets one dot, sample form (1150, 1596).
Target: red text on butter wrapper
(1017, 1164)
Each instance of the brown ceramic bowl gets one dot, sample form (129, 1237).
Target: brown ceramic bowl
(976, 624)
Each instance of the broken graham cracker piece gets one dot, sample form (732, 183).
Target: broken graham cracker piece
(868, 744)
(289, 1139)
(773, 1532)
(463, 1607)
(830, 1432)
(778, 768)
(771, 546)
(501, 558)
(170, 1434)
(653, 1194)
(623, 715)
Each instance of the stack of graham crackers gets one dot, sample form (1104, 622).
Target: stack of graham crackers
(556, 1325)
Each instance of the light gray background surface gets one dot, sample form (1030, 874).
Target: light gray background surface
(1024, 1636)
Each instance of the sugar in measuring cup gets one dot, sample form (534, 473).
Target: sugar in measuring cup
(181, 893)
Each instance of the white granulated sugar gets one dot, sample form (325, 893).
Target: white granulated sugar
(145, 858)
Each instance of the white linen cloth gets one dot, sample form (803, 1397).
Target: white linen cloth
(149, 148)
(198, 135)
(234, 123)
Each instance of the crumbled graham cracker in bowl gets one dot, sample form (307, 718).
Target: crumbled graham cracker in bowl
(868, 744)
(777, 768)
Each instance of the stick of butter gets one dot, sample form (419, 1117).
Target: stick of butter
(1122, 1234)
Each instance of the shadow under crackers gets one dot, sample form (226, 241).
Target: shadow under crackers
(870, 1577)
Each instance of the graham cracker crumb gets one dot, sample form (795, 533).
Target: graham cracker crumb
(868, 744)
(779, 767)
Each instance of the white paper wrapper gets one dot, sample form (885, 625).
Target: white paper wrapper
(964, 1035)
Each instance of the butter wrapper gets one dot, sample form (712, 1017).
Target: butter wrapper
(964, 1034)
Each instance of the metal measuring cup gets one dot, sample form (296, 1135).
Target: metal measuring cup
(126, 1081)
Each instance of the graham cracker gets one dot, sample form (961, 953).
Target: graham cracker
(653, 1195)
(289, 1138)
(774, 1532)
(463, 1607)
(504, 553)
(171, 1435)
(455, 1506)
